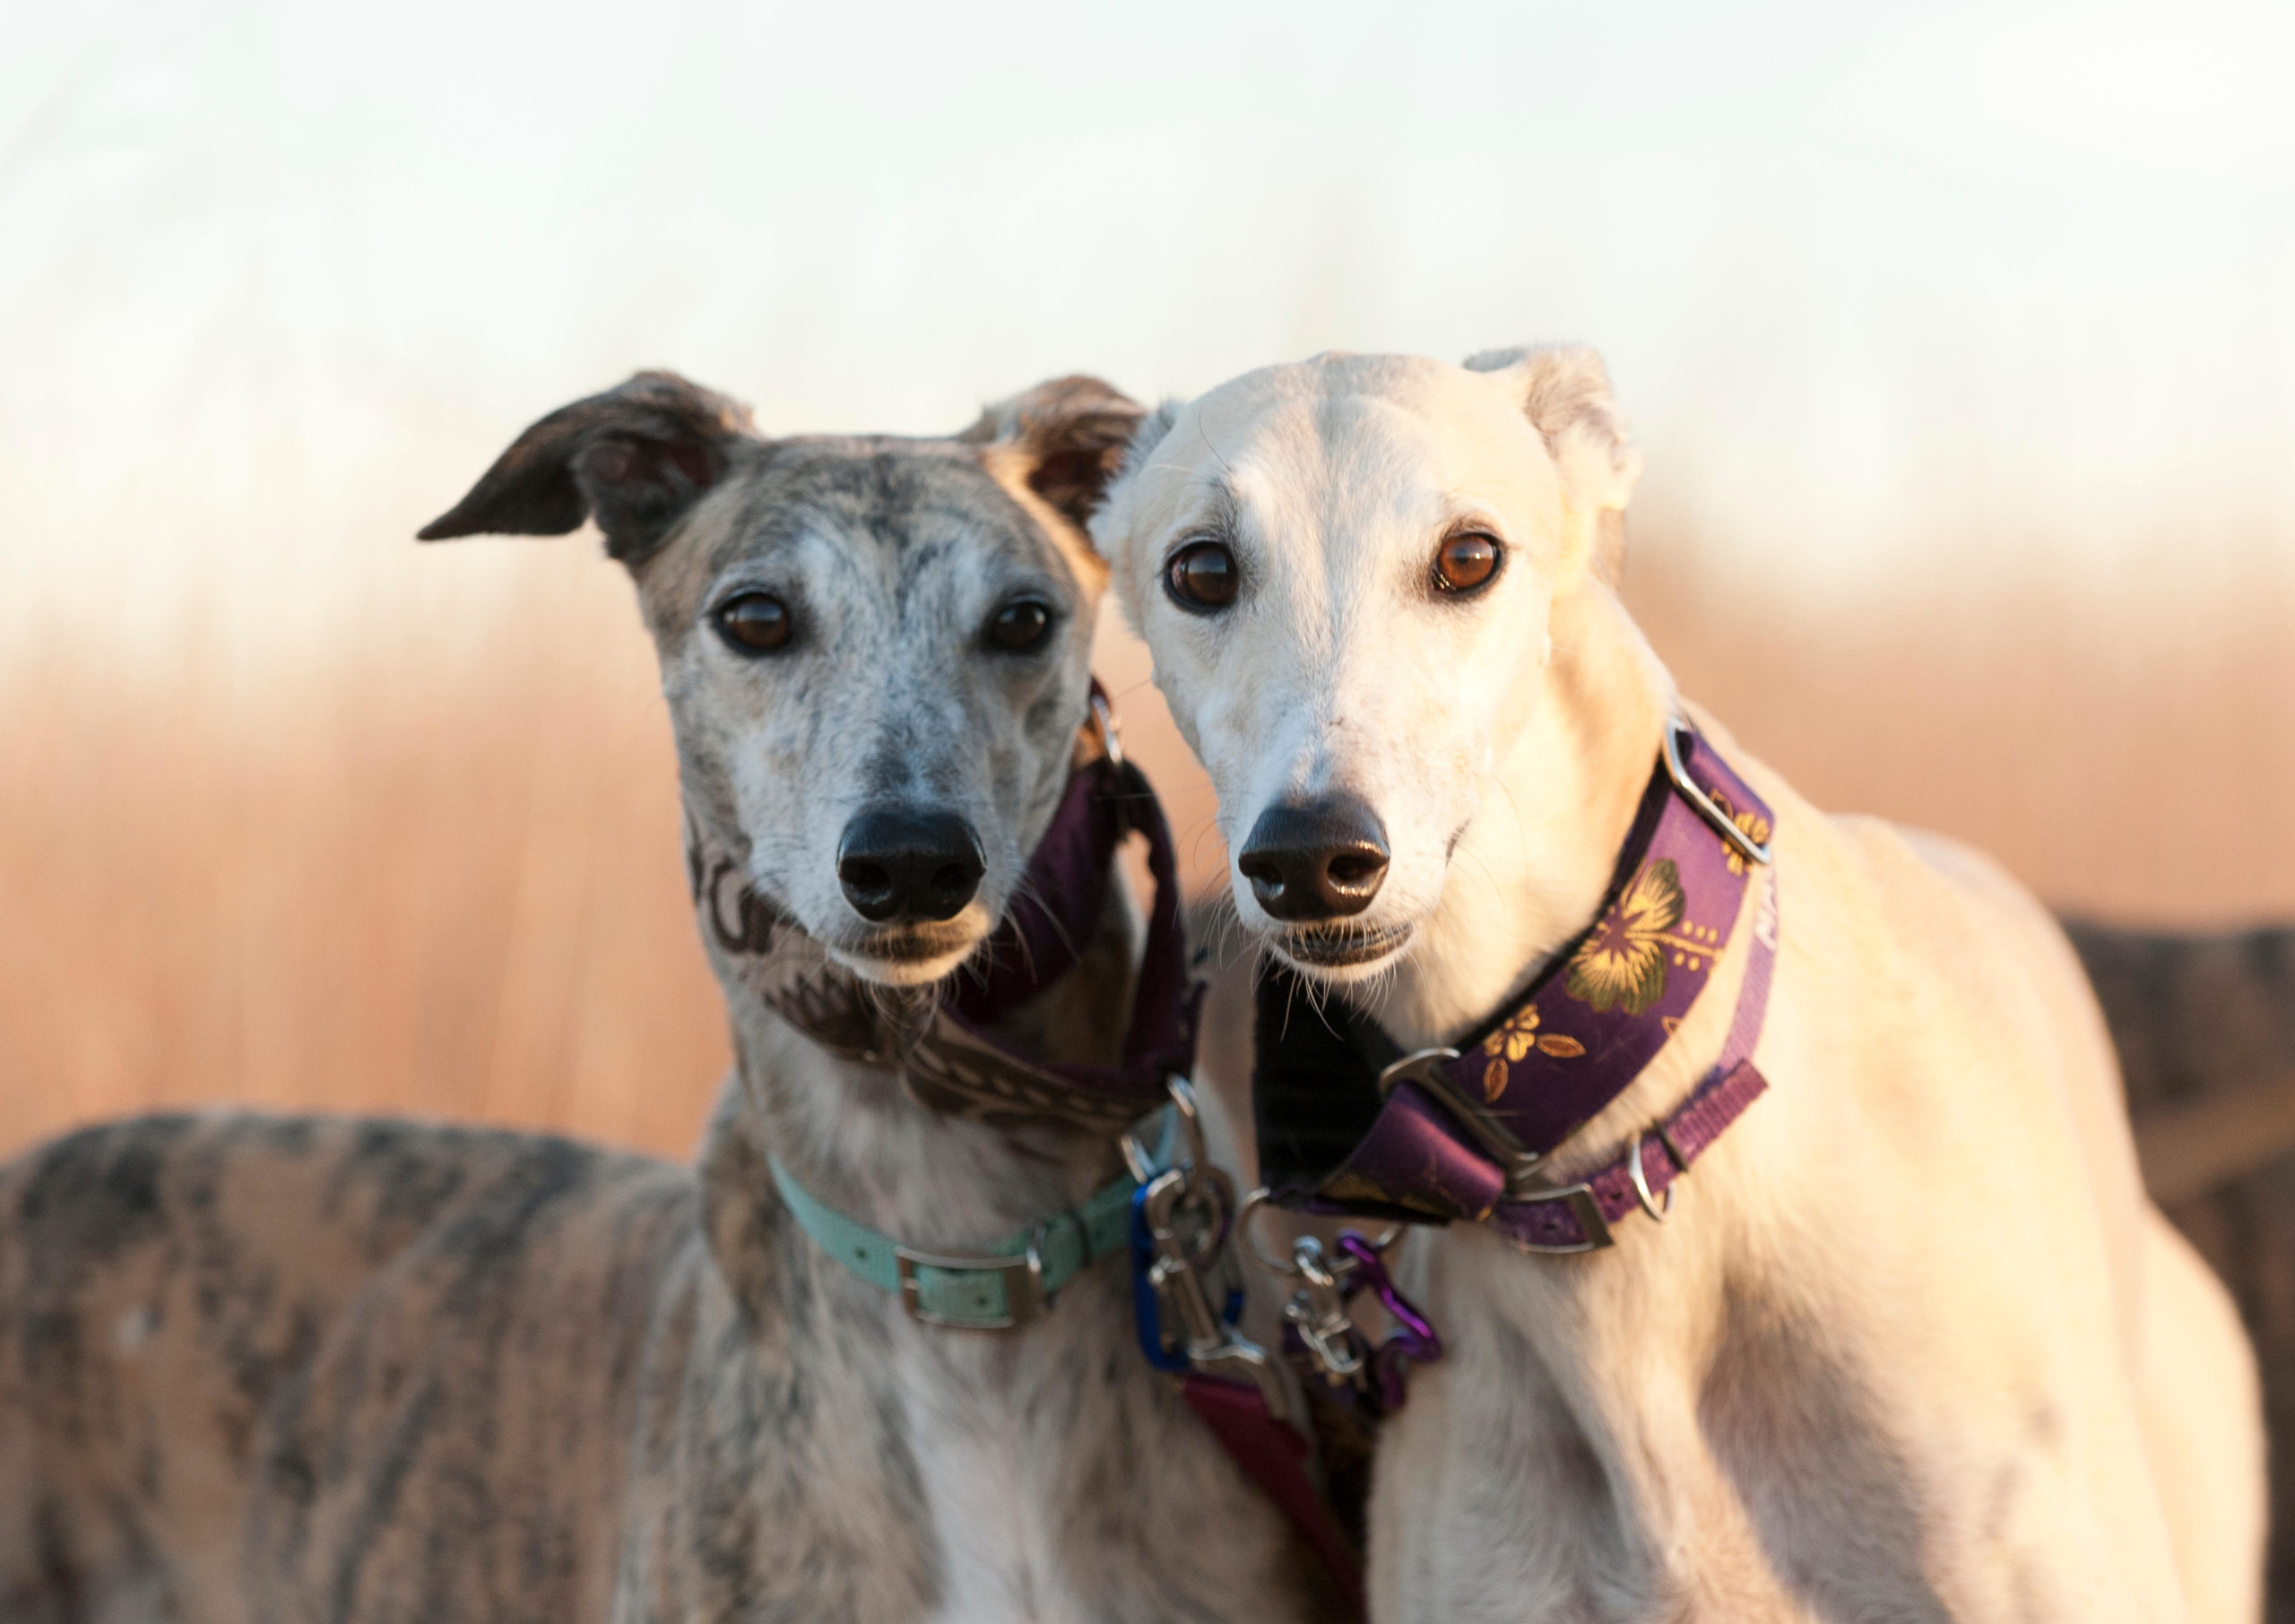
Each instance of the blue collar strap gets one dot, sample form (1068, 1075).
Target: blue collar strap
(1004, 1287)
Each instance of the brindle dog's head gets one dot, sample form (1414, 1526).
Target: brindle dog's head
(875, 650)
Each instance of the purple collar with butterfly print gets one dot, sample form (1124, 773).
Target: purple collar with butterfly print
(1447, 1135)
(942, 1045)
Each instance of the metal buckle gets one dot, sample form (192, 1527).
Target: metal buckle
(1494, 1139)
(1020, 1307)
(1746, 845)
(1584, 1207)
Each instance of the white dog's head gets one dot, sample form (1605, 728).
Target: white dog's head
(1345, 570)
(876, 650)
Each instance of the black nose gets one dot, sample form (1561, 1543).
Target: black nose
(1321, 859)
(903, 863)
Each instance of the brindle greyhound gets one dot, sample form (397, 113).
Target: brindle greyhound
(264, 1369)
(1913, 1345)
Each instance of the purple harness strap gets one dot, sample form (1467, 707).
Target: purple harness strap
(1057, 910)
(1275, 1454)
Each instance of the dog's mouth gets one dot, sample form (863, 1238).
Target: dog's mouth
(909, 955)
(1346, 946)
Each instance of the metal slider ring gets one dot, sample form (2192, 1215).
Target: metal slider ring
(1641, 1185)
(1244, 1217)
(1283, 1266)
(1747, 847)
(1105, 717)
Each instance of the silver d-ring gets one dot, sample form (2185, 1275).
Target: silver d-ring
(1244, 1217)
(1104, 714)
(1641, 1185)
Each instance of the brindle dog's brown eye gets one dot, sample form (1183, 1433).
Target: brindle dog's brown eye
(756, 623)
(1466, 561)
(1019, 627)
(1201, 577)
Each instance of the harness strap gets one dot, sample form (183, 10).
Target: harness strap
(1276, 1457)
(993, 1290)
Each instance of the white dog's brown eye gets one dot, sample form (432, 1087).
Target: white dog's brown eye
(1466, 561)
(756, 623)
(1020, 627)
(1202, 575)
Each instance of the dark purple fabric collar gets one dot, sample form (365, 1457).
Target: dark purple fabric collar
(1347, 1125)
(940, 1041)
(1056, 910)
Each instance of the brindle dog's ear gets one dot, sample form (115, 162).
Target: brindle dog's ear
(1072, 431)
(1565, 392)
(638, 457)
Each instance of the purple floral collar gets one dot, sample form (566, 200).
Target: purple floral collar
(1347, 1125)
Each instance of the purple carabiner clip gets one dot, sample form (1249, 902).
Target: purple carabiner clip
(1414, 1341)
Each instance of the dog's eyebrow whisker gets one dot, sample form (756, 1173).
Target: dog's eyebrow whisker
(1204, 435)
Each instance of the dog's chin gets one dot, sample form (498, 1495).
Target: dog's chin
(908, 956)
(1340, 954)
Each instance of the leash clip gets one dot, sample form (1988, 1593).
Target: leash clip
(1341, 1350)
(1186, 1217)
(1318, 1311)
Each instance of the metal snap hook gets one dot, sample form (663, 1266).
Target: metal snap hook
(1319, 1311)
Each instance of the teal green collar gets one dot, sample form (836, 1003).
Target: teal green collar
(1008, 1285)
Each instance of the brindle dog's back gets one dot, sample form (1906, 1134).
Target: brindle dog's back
(199, 1313)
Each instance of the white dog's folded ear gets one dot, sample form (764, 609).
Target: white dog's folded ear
(1072, 433)
(638, 457)
(1565, 391)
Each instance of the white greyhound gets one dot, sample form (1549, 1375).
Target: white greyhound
(1913, 1345)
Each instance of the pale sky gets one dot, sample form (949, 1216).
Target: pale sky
(1879, 285)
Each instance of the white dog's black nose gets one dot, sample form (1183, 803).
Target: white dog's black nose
(1319, 860)
(903, 864)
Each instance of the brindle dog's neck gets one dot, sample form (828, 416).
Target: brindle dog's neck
(852, 1135)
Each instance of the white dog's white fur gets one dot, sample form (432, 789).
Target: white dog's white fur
(1914, 1345)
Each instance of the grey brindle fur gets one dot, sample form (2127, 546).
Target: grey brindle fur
(271, 1370)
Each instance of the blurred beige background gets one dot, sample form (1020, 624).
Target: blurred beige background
(1961, 344)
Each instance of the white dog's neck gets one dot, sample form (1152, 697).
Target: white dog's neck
(1558, 800)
